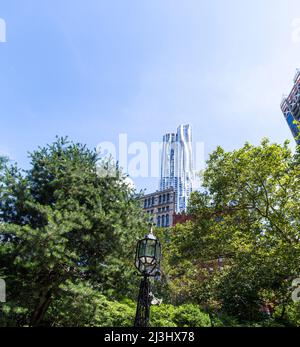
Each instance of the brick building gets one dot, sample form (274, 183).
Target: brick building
(160, 208)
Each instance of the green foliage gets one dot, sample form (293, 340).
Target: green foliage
(68, 236)
(163, 316)
(3, 161)
(81, 305)
(297, 123)
(191, 316)
(225, 321)
(62, 222)
(179, 316)
(247, 214)
(288, 315)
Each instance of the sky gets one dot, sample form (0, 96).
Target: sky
(94, 69)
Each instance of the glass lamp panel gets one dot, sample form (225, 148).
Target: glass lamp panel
(149, 260)
(142, 248)
(148, 255)
(150, 249)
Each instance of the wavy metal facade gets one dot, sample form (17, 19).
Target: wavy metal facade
(290, 107)
(177, 170)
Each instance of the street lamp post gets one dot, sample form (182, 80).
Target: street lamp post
(147, 261)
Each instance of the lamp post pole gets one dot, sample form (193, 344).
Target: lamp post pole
(147, 261)
(143, 305)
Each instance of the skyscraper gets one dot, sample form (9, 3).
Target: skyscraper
(177, 165)
(290, 107)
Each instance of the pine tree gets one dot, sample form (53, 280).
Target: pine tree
(62, 222)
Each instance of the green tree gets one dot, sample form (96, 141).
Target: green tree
(80, 305)
(3, 160)
(247, 214)
(61, 222)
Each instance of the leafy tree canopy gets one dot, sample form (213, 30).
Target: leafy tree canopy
(247, 217)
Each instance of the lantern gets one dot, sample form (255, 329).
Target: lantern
(148, 255)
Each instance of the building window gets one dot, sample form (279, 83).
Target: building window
(164, 197)
(158, 221)
(145, 203)
(152, 200)
(168, 197)
(163, 221)
(168, 208)
(167, 220)
(160, 199)
(290, 119)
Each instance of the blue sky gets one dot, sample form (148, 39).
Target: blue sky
(92, 69)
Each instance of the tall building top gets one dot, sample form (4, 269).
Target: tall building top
(177, 165)
(169, 137)
(297, 75)
(292, 97)
(290, 107)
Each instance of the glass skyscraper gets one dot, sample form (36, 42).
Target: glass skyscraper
(290, 107)
(177, 170)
